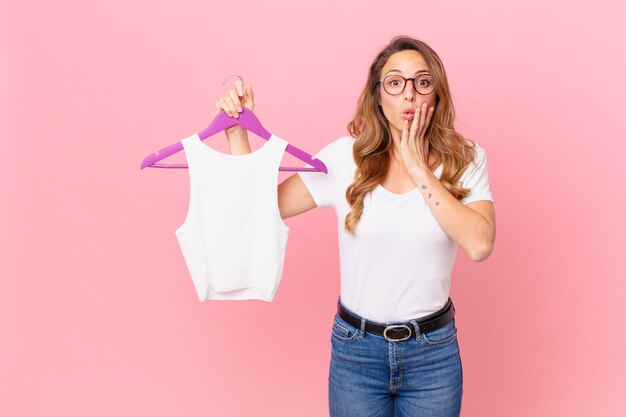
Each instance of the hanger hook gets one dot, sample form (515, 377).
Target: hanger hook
(234, 75)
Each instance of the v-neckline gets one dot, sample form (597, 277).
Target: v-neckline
(405, 194)
(397, 194)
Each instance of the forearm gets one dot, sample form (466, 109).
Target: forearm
(238, 140)
(468, 228)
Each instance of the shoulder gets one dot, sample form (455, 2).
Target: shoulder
(338, 148)
(342, 143)
(480, 150)
(337, 156)
(480, 154)
(479, 162)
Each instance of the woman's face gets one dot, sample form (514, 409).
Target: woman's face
(408, 64)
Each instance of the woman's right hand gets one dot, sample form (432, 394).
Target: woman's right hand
(232, 104)
(233, 101)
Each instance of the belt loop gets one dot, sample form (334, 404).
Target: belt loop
(362, 329)
(416, 326)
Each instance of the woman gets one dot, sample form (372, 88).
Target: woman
(407, 190)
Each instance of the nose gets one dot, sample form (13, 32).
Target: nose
(409, 92)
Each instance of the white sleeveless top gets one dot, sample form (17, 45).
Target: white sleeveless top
(233, 239)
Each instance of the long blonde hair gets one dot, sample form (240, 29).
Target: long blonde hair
(373, 145)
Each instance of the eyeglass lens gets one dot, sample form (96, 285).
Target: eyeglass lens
(394, 84)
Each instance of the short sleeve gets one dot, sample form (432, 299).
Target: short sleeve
(324, 187)
(476, 179)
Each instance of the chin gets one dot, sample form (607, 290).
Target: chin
(397, 128)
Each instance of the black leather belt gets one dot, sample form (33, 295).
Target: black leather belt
(402, 331)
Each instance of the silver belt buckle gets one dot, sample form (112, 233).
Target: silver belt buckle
(397, 325)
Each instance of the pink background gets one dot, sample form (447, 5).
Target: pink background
(98, 315)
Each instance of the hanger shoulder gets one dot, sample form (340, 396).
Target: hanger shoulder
(222, 121)
(153, 158)
(303, 156)
(246, 119)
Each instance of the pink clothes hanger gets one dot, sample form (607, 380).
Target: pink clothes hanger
(221, 122)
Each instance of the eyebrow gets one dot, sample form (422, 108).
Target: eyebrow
(417, 72)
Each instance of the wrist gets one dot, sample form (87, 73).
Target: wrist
(419, 173)
(238, 140)
(236, 133)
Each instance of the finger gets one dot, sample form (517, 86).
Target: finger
(425, 128)
(237, 102)
(239, 87)
(225, 107)
(410, 136)
(431, 111)
(249, 99)
(414, 131)
(422, 120)
(220, 105)
(420, 133)
(414, 123)
(232, 108)
(405, 131)
(405, 135)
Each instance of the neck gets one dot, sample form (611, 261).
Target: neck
(396, 155)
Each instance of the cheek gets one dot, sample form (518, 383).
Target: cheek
(390, 106)
(387, 112)
(384, 107)
(429, 103)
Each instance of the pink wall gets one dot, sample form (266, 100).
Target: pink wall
(98, 315)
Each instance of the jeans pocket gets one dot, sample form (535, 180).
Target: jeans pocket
(441, 336)
(342, 330)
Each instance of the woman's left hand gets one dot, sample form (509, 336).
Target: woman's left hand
(413, 145)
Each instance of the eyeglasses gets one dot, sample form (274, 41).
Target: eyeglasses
(394, 84)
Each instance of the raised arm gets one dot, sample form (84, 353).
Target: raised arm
(293, 196)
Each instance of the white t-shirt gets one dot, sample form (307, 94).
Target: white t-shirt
(398, 265)
(233, 238)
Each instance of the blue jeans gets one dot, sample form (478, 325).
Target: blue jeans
(372, 377)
